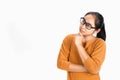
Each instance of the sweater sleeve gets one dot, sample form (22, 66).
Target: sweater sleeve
(94, 62)
(62, 61)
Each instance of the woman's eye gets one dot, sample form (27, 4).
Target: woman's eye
(87, 24)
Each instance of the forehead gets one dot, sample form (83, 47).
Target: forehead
(90, 19)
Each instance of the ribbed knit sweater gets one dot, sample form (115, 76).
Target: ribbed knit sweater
(68, 54)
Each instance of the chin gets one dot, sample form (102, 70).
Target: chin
(83, 33)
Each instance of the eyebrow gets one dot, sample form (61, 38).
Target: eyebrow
(88, 23)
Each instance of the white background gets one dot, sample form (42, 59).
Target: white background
(31, 32)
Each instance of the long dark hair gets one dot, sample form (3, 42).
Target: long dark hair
(99, 24)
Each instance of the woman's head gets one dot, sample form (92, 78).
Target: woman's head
(94, 23)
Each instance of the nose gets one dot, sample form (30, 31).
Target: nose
(82, 26)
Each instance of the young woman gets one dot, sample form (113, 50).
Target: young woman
(82, 54)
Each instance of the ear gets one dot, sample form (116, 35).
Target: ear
(98, 30)
(95, 32)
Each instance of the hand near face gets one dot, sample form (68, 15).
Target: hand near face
(79, 39)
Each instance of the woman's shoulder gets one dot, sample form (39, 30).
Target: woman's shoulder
(99, 41)
(70, 36)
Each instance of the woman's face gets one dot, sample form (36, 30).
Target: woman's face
(87, 25)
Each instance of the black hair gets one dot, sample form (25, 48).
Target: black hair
(99, 24)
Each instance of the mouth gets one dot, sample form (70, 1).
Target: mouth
(81, 30)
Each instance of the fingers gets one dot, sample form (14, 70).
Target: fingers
(80, 34)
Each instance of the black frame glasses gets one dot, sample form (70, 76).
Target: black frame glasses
(87, 25)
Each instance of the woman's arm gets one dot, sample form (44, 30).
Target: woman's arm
(77, 68)
(92, 63)
(93, 66)
(62, 60)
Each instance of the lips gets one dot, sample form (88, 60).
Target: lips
(81, 30)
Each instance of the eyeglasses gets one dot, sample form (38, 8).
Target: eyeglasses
(87, 25)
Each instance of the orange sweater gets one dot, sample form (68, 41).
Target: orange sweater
(68, 54)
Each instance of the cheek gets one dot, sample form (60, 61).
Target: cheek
(89, 32)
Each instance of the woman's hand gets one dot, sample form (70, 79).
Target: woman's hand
(79, 39)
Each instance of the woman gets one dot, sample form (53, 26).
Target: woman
(82, 54)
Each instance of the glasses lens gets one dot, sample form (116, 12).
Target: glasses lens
(88, 26)
(82, 20)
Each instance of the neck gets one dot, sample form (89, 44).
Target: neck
(88, 38)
